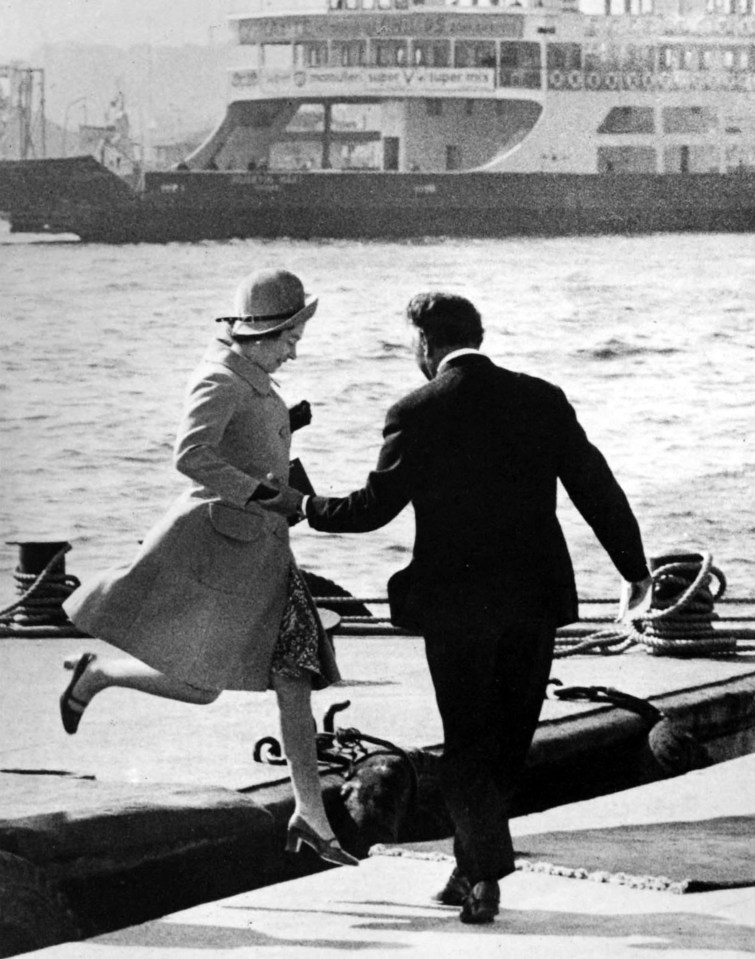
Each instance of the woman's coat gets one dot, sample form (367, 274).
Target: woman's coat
(203, 599)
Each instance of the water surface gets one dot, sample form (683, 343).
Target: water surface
(650, 337)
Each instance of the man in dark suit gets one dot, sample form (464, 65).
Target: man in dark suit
(478, 451)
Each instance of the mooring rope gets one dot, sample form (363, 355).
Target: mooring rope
(38, 612)
(680, 620)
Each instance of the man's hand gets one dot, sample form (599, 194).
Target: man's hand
(635, 600)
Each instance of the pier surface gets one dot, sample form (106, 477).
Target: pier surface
(155, 806)
(383, 907)
(130, 737)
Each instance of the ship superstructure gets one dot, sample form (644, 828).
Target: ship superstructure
(640, 86)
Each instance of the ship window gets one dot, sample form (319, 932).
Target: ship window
(523, 55)
(602, 56)
(349, 53)
(628, 120)
(509, 55)
(311, 54)
(434, 108)
(728, 59)
(352, 4)
(368, 4)
(564, 56)
(309, 117)
(453, 157)
(520, 65)
(431, 53)
(388, 53)
(469, 107)
(592, 59)
(626, 159)
(670, 58)
(691, 58)
(474, 53)
(384, 4)
(636, 58)
(689, 120)
(246, 31)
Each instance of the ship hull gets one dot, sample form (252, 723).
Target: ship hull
(193, 206)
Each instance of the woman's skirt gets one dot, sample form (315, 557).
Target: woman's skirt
(303, 647)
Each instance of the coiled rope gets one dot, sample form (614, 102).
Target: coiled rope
(680, 620)
(38, 612)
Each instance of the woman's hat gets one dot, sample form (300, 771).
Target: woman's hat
(269, 301)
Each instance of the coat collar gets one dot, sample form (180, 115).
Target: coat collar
(458, 359)
(219, 351)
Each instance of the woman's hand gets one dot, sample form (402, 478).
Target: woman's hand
(287, 502)
(300, 415)
(274, 495)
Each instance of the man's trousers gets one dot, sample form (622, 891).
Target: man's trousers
(490, 683)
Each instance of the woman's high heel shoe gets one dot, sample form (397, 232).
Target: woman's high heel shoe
(72, 717)
(330, 850)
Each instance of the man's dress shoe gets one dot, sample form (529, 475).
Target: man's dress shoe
(455, 891)
(481, 905)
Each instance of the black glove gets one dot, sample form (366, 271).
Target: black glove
(285, 500)
(300, 415)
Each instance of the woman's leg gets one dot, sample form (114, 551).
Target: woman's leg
(298, 735)
(131, 673)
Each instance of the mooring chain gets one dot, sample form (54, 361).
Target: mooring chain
(608, 695)
(343, 748)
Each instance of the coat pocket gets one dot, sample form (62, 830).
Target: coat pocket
(237, 523)
(230, 551)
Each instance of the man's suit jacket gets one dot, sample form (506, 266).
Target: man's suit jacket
(478, 452)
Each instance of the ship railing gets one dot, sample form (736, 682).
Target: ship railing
(270, 8)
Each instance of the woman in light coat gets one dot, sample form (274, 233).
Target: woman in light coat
(214, 599)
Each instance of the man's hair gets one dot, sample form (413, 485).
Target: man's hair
(446, 319)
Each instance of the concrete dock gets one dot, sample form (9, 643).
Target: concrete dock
(383, 908)
(156, 806)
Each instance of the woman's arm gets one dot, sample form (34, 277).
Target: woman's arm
(211, 402)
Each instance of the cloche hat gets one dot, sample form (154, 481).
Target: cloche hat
(269, 301)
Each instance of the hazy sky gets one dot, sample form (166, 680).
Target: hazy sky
(25, 24)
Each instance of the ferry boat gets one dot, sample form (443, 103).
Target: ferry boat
(404, 118)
